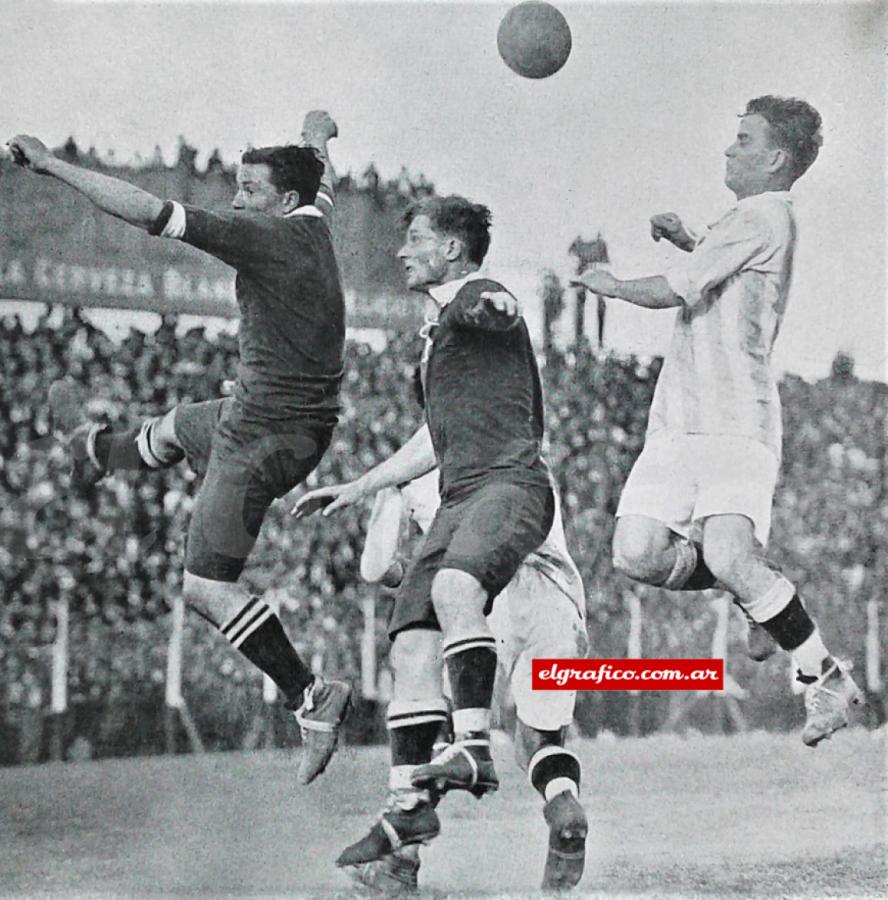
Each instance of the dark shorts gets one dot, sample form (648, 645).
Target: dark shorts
(486, 534)
(246, 465)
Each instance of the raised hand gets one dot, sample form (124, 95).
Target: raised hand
(318, 127)
(30, 153)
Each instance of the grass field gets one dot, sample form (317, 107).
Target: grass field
(750, 816)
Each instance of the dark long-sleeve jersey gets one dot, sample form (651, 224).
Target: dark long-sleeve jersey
(292, 329)
(483, 397)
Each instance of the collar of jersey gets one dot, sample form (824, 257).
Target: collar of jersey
(312, 211)
(443, 294)
(785, 196)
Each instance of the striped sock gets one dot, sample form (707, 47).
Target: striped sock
(133, 449)
(413, 726)
(471, 670)
(258, 634)
(553, 770)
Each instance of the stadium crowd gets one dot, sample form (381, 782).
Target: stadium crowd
(116, 553)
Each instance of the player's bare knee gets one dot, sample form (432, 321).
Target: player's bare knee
(728, 558)
(730, 549)
(457, 597)
(639, 553)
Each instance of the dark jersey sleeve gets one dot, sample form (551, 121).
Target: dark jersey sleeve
(325, 200)
(471, 310)
(240, 239)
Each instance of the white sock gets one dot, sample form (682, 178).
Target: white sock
(810, 655)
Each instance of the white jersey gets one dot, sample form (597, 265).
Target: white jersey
(717, 376)
(551, 558)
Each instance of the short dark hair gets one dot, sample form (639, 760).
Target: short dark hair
(454, 215)
(795, 127)
(292, 168)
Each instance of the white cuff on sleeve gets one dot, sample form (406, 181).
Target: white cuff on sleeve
(175, 226)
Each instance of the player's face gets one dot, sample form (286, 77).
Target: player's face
(424, 255)
(255, 192)
(750, 159)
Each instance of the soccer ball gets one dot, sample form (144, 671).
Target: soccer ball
(534, 39)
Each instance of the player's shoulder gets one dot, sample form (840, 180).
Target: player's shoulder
(771, 209)
(470, 292)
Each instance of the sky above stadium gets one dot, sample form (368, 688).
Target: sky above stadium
(634, 124)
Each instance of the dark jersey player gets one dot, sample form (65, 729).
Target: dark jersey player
(260, 443)
(484, 432)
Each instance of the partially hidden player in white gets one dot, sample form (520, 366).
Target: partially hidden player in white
(712, 451)
(540, 614)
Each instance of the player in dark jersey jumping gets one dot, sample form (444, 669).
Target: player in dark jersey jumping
(484, 432)
(260, 443)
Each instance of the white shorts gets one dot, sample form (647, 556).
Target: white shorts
(533, 618)
(680, 479)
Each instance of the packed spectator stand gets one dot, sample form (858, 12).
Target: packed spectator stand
(116, 554)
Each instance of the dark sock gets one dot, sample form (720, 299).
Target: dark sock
(792, 626)
(471, 667)
(701, 579)
(411, 745)
(413, 727)
(549, 763)
(118, 450)
(133, 450)
(258, 634)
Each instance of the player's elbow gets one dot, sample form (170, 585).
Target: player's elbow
(372, 568)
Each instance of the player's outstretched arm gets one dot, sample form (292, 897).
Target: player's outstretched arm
(119, 198)
(318, 129)
(653, 292)
(415, 458)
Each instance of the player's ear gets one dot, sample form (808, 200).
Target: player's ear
(453, 249)
(778, 160)
(290, 201)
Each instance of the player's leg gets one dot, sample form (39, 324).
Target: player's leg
(543, 622)
(496, 529)
(415, 715)
(648, 550)
(652, 541)
(555, 774)
(225, 522)
(738, 478)
(469, 652)
(654, 518)
(772, 600)
(97, 450)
